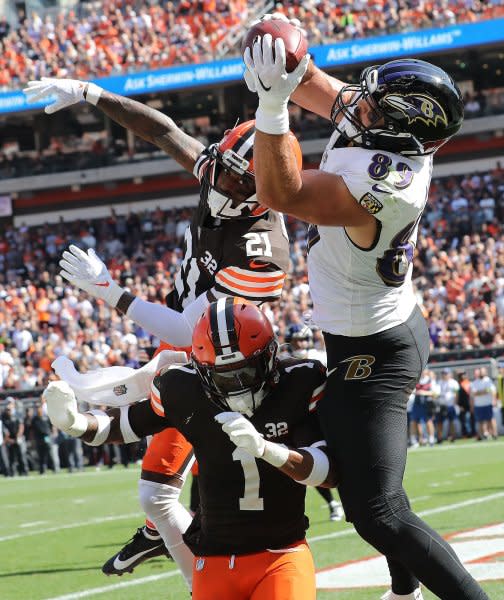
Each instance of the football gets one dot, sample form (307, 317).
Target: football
(294, 40)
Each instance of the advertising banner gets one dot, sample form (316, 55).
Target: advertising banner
(369, 50)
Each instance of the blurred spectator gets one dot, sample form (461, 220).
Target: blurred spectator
(22, 338)
(500, 392)
(472, 106)
(422, 412)
(483, 398)
(447, 402)
(466, 415)
(4, 457)
(4, 27)
(42, 435)
(70, 450)
(14, 439)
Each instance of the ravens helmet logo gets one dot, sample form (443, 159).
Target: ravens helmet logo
(418, 107)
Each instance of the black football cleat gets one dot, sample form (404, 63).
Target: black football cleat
(136, 551)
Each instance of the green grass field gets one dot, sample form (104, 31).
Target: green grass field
(57, 530)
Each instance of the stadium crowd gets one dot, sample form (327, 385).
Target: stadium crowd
(458, 274)
(100, 39)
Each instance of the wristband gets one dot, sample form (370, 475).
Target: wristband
(103, 428)
(127, 432)
(275, 454)
(276, 123)
(92, 93)
(124, 302)
(320, 468)
(113, 294)
(79, 426)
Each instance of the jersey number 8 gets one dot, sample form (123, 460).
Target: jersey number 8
(393, 266)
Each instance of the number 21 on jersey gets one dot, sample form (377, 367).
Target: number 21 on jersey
(258, 244)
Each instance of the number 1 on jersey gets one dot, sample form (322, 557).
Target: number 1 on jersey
(250, 499)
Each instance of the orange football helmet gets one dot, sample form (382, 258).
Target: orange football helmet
(230, 174)
(234, 351)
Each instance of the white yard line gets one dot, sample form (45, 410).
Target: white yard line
(419, 499)
(337, 534)
(469, 446)
(116, 586)
(99, 520)
(65, 475)
(32, 524)
(423, 513)
(150, 578)
(96, 521)
(456, 505)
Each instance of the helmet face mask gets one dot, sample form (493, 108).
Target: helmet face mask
(229, 175)
(240, 386)
(235, 354)
(231, 185)
(416, 105)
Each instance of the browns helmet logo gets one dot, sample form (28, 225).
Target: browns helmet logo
(371, 204)
(418, 107)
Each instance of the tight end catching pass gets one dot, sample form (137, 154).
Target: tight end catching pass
(364, 203)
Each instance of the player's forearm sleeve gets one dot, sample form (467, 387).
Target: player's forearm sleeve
(165, 323)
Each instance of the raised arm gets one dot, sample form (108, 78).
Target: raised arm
(145, 122)
(317, 91)
(89, 273)
(115, 425)
(152, 126)
(313, 195)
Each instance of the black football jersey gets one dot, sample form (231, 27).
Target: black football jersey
(231, 257)
(247, 505)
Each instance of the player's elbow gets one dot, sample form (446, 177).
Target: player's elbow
(277, 198)
(270, 199)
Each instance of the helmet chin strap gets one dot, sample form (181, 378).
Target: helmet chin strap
(247, 402)
(347, 128)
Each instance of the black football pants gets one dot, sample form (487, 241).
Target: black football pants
(363, 417)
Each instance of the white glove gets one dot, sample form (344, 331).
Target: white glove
(244, 435)
(272, 82)
(89, 273)
(65, 91)
(276, 16)
(62, 408)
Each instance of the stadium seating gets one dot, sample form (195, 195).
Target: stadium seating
(107, 38)
(71, 153)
